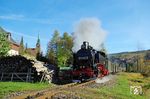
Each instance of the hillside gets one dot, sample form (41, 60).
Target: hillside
(141, 53)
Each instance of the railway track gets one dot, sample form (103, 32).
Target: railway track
(51, 92)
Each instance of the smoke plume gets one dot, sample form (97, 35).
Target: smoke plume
(88, 29)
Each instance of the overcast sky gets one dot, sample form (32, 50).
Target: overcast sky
(127, 22)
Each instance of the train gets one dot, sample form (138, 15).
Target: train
(88, 63)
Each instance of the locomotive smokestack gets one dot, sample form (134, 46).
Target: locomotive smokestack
(86, 44)
(90, 30)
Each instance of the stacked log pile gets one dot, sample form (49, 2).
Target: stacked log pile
(20, 64)
(11, 64)
(45, 73)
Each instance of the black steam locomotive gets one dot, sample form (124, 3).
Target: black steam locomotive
(89, 63)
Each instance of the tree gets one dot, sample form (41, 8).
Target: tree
(146, 64)
(147, 56)
(38, 46)
(4, 44)
(64, 52)
(52, 47)
(59, 48)
(51, 56)
(21, 47)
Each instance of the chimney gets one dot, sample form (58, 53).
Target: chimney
(9, 36)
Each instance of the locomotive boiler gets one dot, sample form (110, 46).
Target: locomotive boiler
(89, 63)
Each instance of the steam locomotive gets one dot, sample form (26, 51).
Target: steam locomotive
(89, 63)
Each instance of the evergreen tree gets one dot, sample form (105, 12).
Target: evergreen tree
(4, 44)
(51, 56)
(52, 48)
(21, 47)
(38, 46)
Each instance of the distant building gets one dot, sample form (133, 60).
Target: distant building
(15, 47)
(31, 51)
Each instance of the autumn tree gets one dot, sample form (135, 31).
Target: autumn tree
(146, 66)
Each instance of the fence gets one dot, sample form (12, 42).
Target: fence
(25, 77)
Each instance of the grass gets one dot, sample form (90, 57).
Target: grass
(10, 87)
(122, 88)
(119, 90)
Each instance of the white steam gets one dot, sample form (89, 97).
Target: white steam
(104, 79)
(88, 29)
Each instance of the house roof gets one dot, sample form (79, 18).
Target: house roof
(11, 39)
(8, 34)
